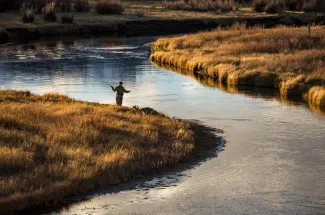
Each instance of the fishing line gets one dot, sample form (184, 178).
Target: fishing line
(103, 82)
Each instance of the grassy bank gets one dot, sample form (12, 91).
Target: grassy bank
(53, 147)
(285, 58)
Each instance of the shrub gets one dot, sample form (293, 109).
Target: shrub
(67, 19)
(81, 5)
(259, 5)
(49, 12)
(274, 6)
(109, 7)
(28, 12)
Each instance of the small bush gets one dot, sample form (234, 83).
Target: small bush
(274, 6)
(28, 16)
(81, 5)
(67, 19)
(49, 12)
(28, 12)
(259, 5)
(109, 7)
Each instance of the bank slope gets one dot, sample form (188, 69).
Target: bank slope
(286, 58)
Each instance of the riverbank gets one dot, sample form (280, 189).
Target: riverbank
(144, 19)
(53, 147)
(275, 58)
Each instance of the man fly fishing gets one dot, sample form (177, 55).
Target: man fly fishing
(120, 90)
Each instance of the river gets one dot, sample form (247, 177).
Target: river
(273, 161)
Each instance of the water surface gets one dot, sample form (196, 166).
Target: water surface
(274, 160)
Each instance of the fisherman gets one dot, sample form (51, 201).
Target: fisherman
(120, 90)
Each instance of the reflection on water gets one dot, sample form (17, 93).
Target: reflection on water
(250, 91)
(274, 162)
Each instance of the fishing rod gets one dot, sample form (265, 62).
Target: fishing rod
(100, 80)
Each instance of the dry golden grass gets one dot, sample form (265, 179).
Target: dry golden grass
(286, 58)
(316, 98)
(52, 147)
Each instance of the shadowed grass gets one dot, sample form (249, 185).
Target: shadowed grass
(52, 147)
(286, 58)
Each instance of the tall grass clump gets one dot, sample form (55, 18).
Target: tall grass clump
(109, 7)
(316, 97)
(285, 58)
(81, 5)
(48, 11)
(28, 13)
(52, 147)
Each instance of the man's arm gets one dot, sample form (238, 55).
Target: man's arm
(126, 91)
(114, 89)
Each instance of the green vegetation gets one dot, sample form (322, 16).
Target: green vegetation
(285, 58)
(52, 147)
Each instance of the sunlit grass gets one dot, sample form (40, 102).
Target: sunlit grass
(52, 147)
(286, 58)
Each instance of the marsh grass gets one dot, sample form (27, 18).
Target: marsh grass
(286, 58)
(52, 147)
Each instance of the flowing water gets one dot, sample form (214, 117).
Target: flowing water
(274, 159)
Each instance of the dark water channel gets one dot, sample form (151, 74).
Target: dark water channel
(274, 160)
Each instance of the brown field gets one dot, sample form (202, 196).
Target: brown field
(53, 147)
(133, 10)
(286, 58)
